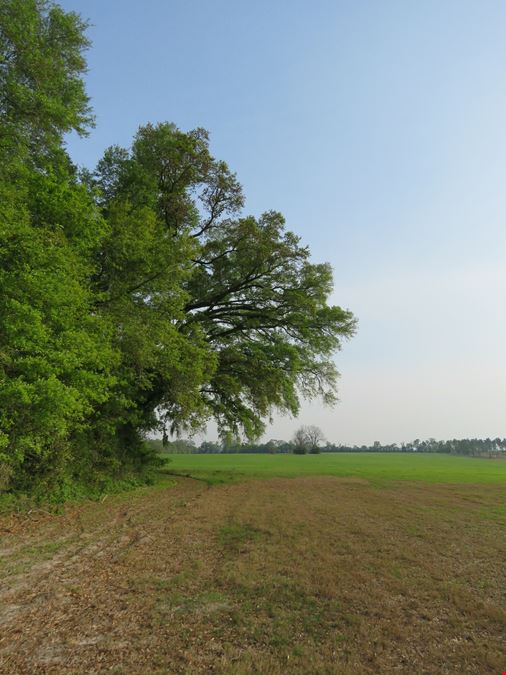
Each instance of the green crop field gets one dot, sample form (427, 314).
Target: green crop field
(376, 467)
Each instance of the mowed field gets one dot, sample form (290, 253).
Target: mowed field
(272, 564)
(375, 467)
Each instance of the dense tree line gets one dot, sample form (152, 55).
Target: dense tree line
(463, 446)
(135, 298)
(475, 447)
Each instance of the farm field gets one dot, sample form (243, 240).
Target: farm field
(376, 467)
(356, 571)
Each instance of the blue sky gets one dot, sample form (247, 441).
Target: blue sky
(379, 130)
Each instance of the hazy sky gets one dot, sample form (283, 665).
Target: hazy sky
(379, 129)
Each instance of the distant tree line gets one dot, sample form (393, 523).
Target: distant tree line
(466, 446)
(473, 447)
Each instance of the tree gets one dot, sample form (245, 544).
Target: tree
(181, 446)
(210, 447)
(274, 445)
(42, 93)
(255, 310)
(231, 443)
(55, 355)
(307, 439)
(315, 438)
(139, 297)
(300, 441)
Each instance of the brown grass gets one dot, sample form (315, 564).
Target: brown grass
(308, 575)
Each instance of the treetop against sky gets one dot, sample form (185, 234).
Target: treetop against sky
(377, 129)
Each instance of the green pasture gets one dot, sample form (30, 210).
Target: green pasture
(376, 467)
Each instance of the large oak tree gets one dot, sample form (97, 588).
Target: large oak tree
(140, 296)
(253, 300)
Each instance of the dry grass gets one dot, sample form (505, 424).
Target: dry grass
(306, 575)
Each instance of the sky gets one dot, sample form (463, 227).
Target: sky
(379, 130)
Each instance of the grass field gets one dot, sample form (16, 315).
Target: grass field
(335, 564)
(375, 467)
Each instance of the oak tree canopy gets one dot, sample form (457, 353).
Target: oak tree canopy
(137, 296)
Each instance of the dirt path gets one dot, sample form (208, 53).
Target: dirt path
(311, 575)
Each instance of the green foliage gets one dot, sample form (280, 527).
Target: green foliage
(139, 297)
(255, 308)
(177, 446)
(55, 355)
(42, 93)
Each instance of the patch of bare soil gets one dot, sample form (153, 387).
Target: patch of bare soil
(309, 575)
